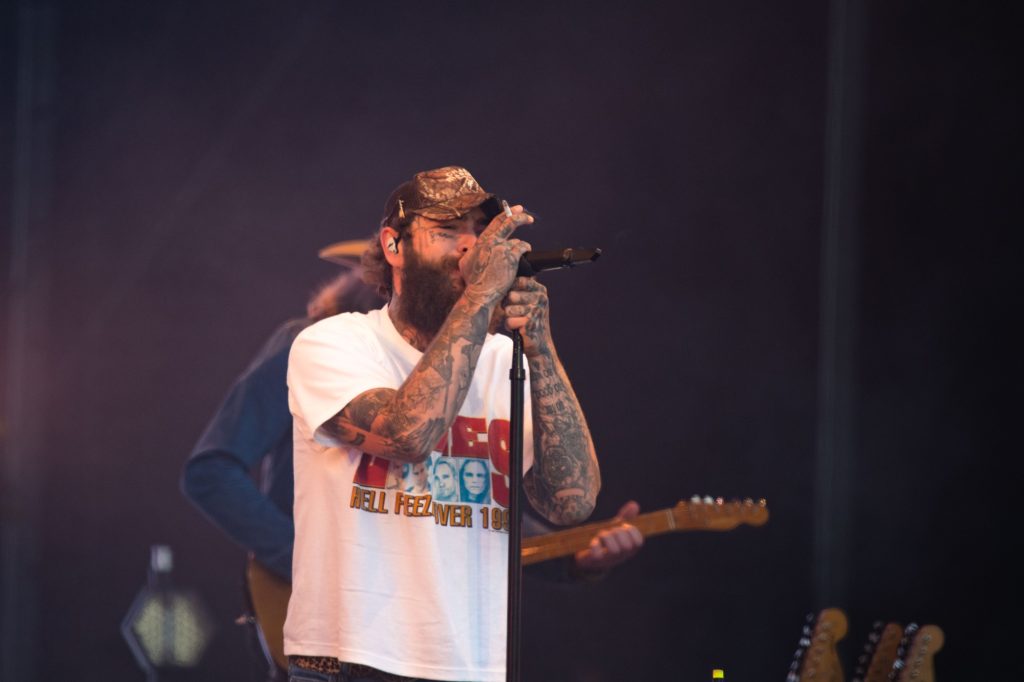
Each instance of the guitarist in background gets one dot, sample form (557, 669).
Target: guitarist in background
(252, 429)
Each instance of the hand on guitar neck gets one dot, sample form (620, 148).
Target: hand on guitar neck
(611, 546)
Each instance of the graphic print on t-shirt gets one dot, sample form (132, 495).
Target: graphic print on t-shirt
(469, 466)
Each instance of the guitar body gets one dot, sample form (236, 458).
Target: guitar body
(269, 595)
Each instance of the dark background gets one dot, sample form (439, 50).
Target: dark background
(188, 160)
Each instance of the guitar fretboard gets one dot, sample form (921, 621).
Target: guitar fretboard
(566, 542)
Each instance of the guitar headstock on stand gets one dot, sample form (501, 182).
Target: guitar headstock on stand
(816, 657)
(914, 659)
(879, 653)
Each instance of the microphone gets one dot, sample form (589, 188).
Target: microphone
(534, 262)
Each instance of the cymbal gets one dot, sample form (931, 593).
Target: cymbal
(346, 254)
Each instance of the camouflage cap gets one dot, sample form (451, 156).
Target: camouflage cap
(439, 194)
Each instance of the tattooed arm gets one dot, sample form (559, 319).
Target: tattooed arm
(565, 478)
(405, 424)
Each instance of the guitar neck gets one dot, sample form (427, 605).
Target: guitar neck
(566, 542)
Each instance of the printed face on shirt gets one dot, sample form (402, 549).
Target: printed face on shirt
(415, 479)
(419, 475)
(475, 481)
(444, 480)
(474, 474)
(396, 476)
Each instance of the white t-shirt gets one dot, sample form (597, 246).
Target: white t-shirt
(402, 568)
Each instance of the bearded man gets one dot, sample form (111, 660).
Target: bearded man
(389, 584)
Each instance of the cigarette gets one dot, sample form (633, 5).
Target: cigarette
(508, 211)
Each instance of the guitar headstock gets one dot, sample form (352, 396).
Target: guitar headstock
(716, 514)
(876, 661)
(914, 659)
(816, 657)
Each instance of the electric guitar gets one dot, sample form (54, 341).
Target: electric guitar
(269, 594)
(816, 658)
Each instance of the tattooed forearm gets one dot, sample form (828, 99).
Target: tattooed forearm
(407, 423)
(565, 478)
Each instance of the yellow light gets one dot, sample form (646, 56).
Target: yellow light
(718, 674)
(172, 629)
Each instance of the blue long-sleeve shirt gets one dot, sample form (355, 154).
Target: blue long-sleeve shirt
(252, 428)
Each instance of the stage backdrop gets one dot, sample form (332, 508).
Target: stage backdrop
(189, 160)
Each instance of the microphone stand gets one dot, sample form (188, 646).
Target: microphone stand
(548, 260)
(517, 376)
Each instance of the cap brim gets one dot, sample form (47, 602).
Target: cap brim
(346, 254)
(491, 207)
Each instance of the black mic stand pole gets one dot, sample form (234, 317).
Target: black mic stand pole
(517, 375)
(566, 258)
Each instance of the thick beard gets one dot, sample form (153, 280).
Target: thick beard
(428, 293)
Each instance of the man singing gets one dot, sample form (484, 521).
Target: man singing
(387, 582)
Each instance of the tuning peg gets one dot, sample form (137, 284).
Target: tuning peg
(695, 499)
(708, 500)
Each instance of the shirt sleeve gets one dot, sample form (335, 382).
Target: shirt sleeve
(252, 421)
(331, 363)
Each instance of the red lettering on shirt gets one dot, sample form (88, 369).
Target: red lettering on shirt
(470, 437)
(497, 444)
(466, 441)
(372, 471)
